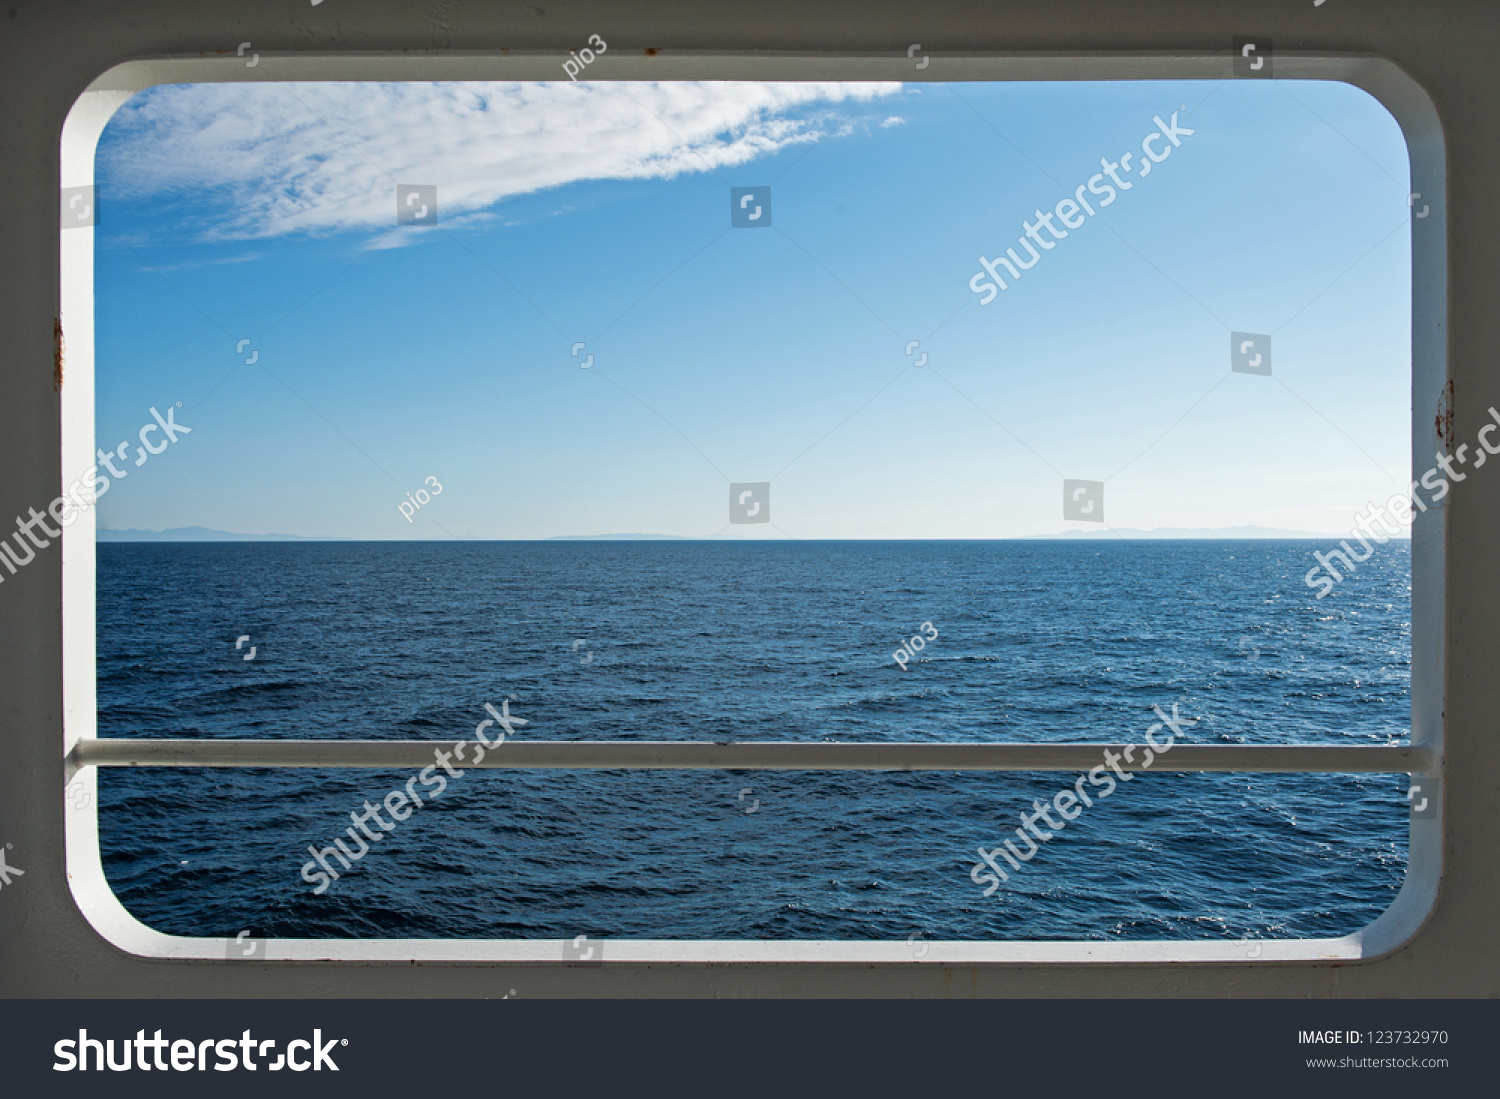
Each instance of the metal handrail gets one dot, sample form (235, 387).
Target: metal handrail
(749, 755)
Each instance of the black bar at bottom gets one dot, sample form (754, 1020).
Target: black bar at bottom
(753, 1048)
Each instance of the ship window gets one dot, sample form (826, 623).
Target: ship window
(584, 516)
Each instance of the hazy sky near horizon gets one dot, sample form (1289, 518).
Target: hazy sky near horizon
(599, 213)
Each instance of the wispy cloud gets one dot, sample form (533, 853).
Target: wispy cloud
(326, 157)
(216, 261)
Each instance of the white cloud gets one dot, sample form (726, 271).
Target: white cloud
(324, 157)
(216, 261)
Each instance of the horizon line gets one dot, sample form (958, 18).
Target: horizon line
(1132, 537)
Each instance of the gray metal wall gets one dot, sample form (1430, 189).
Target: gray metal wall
(50, 51)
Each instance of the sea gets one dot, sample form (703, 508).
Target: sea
(1035, 640)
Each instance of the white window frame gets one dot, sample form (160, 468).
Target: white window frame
(85, 753)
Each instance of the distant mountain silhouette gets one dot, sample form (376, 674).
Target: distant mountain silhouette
(205, 534)
(619, 538)
(196, 534)
(1191, 532)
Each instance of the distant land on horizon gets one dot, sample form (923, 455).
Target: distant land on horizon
(618, 538)
(205, 534)
(199, 534)
(1189, 532)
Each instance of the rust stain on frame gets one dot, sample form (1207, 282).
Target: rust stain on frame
(1444, 420)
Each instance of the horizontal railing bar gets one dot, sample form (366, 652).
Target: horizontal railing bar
(748, 755)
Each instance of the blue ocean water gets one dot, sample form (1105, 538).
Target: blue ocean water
(1037, 641)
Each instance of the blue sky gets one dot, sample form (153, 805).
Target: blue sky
(599, 213)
